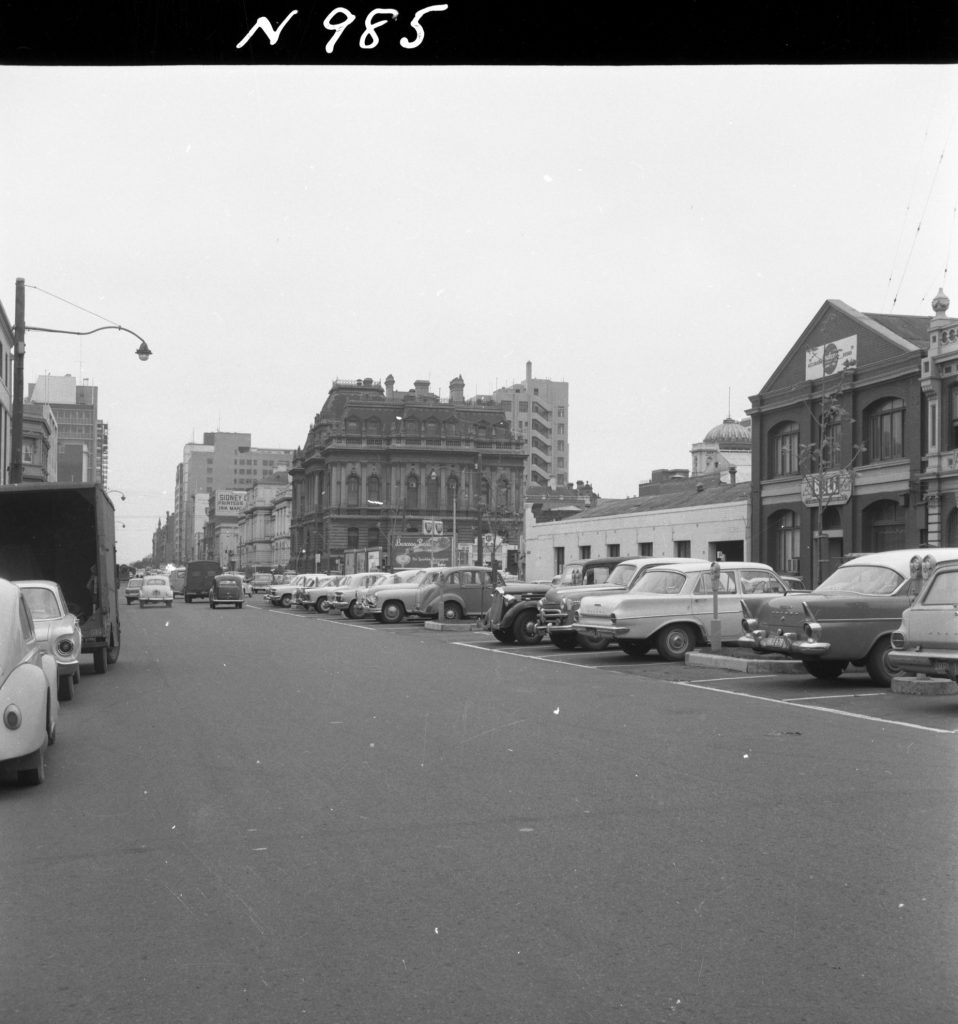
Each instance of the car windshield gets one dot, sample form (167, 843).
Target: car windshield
(621, 574)
(42, 603)
(862, 579)
(660, 581)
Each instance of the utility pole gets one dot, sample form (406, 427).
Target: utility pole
(19, 332)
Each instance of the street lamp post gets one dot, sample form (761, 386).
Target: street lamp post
(19, 332)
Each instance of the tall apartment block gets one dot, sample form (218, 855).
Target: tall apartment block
(537, 410)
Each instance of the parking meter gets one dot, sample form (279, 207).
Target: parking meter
(715, 632)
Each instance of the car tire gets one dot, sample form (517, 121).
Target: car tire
(674, 642)
(187, 599)
(286, 600)
(564, 641)
(169, 604)
(600, 643)
(212, 604)
(393, 612)
(824, 669)
(36, 771)
(239, 604)
(635, 648)
(451, 612)
(65, 688)
(504, 636)
(879, 671)
(99, 660)
(524, 629)
(112, 652)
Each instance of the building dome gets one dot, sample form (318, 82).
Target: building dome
(729, 431)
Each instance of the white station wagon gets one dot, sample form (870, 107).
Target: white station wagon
(671, 607)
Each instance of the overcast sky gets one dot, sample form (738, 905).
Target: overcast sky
(658, 237)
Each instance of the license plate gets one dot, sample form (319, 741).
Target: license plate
(945, 667)
(774, 643)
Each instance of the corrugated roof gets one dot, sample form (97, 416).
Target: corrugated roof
(673, 499)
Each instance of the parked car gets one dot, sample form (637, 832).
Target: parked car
(57, 630)
(395, 598)
(317, 596)
(457, 592)
(178, 581)
(556, 610)
(345, 597)
(848, 618)
(132, 590)
(926, 641)
(260, 582)
(513, 613)
(281, 594)
(671, 607)
(227, 588)
(156, 590)
(28, 691)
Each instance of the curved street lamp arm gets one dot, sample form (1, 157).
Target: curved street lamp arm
(143, 351)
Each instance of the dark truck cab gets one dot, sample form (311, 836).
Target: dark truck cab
(66, 533)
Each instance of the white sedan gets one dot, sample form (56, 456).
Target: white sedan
(28, 691)
(672, 607)
(57, 629)
(156, 590)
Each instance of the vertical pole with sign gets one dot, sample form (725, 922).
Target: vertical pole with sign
(715, 629)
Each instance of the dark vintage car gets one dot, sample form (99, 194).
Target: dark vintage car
(457, 592)
(514, 611)
(227, 588)
(847, 619)
(926, 642)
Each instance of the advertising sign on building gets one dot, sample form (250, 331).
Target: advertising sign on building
(821, 490)
(827, 360)
(229, 503)
(421, 552)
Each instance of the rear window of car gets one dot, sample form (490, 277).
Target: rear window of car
(862, 579)
(660, 581)
(135, 583)
(41, 602)
(155, 581)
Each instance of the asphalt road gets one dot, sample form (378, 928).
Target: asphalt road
(267, 816)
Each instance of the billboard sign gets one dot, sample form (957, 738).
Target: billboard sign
(829, 360)
(229, 503)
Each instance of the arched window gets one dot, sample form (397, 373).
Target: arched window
(430, 429)
(373, 488)
(452, 428)
(374, 427)
(412, 491)
(353, 427)
(884, 433)
(432, 492)
(883, 526)
(783, 450)
(786, 541)
(502, 493)
(352, 490)
(412, 429)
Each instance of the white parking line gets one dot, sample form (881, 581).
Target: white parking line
(702, 685)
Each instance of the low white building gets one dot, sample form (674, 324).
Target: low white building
(689, 520)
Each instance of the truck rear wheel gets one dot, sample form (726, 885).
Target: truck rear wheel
(113, 652)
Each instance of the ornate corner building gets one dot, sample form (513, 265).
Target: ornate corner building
(387, 472)
(855, 440)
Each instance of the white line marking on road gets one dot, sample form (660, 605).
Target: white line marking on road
(517, 654)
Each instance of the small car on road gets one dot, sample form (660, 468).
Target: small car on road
(28, 691)
(848, 618)
(132, 590)
(280, 595)
(57, 629)
(345, 597)
(156, 590)
(260, 582)
(671, 607)
(227, 588)
(926, 641)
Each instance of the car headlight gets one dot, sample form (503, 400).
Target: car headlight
(12, 717)
(65, 646)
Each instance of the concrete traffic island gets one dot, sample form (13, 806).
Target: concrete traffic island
(453, 626)
(742, 659)
(924, 686)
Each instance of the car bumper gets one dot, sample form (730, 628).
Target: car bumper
(929, 663)
(787, 645)
(593, 632)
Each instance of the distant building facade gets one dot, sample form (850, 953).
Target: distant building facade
(399, 474)
(537, 411)
(82, 439)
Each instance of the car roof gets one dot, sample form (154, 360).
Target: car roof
(900, 559)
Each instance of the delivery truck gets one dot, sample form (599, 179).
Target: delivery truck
(66, 533)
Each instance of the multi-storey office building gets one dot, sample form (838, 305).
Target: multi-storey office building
(392, 472)
(82, 438)
(223, 461)
(537, 411)
(839, 439)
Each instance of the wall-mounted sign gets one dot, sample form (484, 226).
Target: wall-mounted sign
(822, 489)
(229, 503)
(827, 360)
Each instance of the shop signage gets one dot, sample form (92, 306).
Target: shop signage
(822, 489)
(229, 503)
